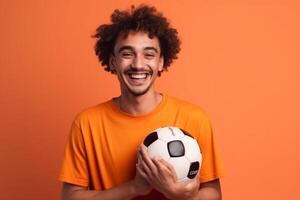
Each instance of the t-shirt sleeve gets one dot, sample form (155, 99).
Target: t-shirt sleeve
(211, 167)
(74, 166)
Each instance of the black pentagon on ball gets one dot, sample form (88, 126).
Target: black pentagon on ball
(186, 133)
(194, 168)
(152, 137)
(176, 148)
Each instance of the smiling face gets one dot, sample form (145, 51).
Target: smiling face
(136, 61)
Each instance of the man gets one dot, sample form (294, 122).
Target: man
(104, 143)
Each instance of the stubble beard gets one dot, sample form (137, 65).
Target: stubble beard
(139, 93)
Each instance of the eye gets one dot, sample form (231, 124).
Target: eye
(126, 54)
(149, 55)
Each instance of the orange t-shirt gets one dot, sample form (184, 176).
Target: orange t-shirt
(101, 149)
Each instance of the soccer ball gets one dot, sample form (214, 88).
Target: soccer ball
(178, 148)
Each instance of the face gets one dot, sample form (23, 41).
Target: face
(136, 61)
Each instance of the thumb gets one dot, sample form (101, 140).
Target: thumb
(194, 185)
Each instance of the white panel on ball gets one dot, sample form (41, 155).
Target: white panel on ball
(192, 151)
(160, 148)
(181, 166)
(169, 133)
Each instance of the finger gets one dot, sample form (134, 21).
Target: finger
(147, 160)
(160, 166)
(145, 174)
(164, 167)
(157, 164)
(144, 166)
(141, 172)
(137, 152)
(198, 176)
(194, 185)
(139, 157)
(169, 166)
(152, 172)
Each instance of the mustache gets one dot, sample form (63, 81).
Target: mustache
(135, 70)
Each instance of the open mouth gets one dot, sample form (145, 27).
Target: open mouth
(138, 76)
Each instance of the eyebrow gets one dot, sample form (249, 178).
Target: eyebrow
(125, 48)
(151, 48)
(131, 48)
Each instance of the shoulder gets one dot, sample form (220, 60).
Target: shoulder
(92, 113)
(188, 108)
(191, 117)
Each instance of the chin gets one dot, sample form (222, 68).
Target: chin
(138, 92)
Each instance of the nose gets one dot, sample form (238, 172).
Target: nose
(138, 62)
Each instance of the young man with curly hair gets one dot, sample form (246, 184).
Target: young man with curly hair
(104, 143)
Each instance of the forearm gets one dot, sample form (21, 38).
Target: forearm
(124, 191)
(208, 193)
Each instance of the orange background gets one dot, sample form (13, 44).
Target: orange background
(240, 61)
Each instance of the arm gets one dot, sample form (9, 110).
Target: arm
(128, 190)
(74, 192)
(210, 190)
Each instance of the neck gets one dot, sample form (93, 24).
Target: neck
(139, 105)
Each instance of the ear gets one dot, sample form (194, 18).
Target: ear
(161, 64)
(112, 63)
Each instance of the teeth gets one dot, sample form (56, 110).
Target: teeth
(138, 76)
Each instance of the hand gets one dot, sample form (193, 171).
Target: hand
(140, 184)
(162, 176)
(188, 191)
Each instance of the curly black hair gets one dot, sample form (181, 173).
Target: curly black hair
(143, 18)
